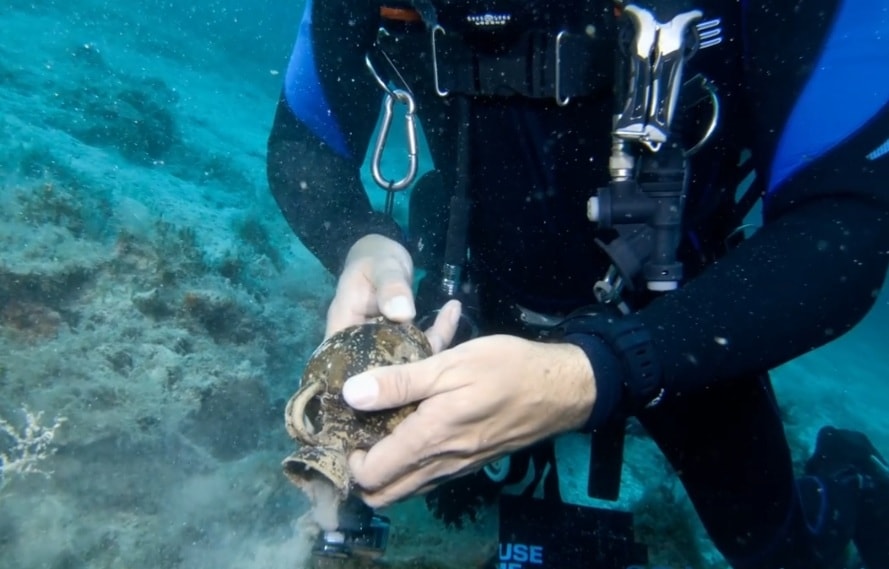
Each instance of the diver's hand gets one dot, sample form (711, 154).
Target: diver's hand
(480, 400)
(376, 280)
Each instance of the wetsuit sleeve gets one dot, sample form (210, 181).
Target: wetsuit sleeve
(819, 87)
(325, 116)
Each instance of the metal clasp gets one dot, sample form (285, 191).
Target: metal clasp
(657, 57)
(401, 96)
(609, 289)
(404, 97)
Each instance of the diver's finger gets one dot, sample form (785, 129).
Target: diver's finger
(415, 482)
(405, 487)
(393, 386)
(407, 449)
(442, 331)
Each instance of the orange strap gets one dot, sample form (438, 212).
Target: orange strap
(399, 14)
(411, 15)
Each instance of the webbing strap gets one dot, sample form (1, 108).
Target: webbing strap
(539, 65)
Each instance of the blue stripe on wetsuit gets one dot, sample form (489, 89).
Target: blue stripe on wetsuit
(303, 92)
(850, 84)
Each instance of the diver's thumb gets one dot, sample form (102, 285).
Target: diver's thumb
(386, 388)
(399, 308)
(392, 281)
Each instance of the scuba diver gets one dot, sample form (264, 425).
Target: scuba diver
(582, 234)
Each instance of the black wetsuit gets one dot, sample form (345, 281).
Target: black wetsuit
(804, 86)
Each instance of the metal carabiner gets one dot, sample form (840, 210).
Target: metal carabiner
(393, 96)
(405, 97)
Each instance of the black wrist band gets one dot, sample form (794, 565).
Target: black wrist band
(631, 343)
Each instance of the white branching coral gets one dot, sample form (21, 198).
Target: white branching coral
(30, 445)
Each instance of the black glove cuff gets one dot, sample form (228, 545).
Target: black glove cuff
(631, 342)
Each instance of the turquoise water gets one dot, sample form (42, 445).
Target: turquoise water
(156, 311)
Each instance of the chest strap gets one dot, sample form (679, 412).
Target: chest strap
(536, 65)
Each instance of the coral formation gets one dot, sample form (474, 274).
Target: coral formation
(27, 447)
